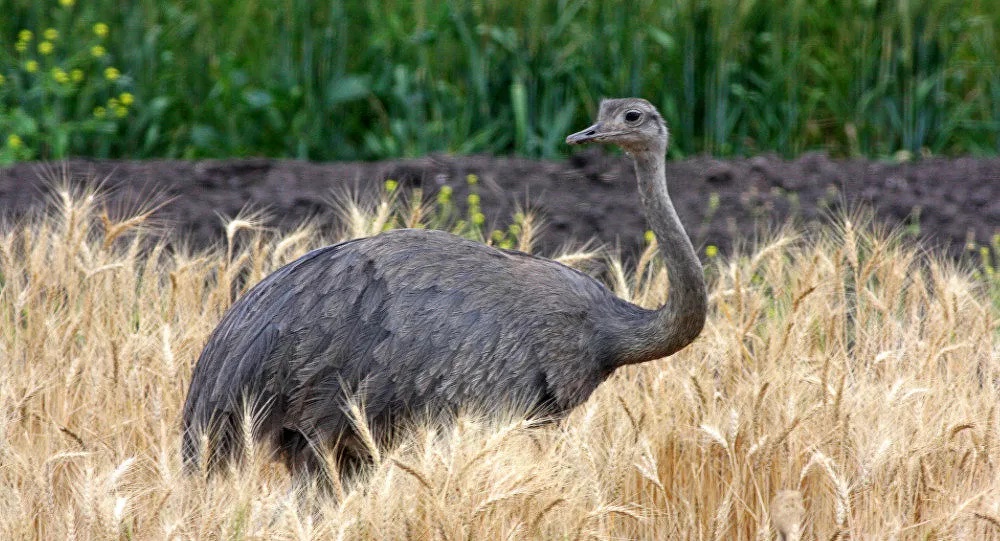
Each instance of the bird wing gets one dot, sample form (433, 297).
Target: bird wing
(404, 321)
(235, 359)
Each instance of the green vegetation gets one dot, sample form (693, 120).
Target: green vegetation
(365, 80)
(60, 92)
(396, 210)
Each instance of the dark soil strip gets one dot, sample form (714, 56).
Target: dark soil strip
(947, 202)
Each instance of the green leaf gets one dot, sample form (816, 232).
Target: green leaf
(349, 88)
(257, 98)
(203, 136)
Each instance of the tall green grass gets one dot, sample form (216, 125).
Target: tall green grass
(365, 80)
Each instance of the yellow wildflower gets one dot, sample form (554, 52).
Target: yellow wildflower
(31, 66)
(126, 98)
(21, 46)
(471, 178)
(51, 34)
(76, 75)
(60, 76)
(121, 111)
(473, 199)
(99, 112)
(444, 195)
(391, 185)
(101, 30)
(66, 3)
(14, 141)
(97, 51)
(25, 35)
(45, 47)
(711, 251)
(478, 218)
(111, 73)
(649, 237)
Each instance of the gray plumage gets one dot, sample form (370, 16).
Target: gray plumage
(423, 323)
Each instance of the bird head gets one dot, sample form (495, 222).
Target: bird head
(631, 123)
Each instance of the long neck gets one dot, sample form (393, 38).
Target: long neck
(678, 322)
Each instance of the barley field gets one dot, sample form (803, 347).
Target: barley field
(845, 387)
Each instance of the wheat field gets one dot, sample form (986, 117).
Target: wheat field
(844, 387)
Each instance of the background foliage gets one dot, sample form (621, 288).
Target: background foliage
(367, 80)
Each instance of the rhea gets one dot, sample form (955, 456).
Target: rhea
(412, 322)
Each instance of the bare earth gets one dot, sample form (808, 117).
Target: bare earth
(948, 202)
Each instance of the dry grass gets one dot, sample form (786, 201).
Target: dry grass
(848, 368)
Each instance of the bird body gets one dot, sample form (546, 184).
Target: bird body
(415, 323)
(386, 319)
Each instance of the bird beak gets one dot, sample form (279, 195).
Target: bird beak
(584, 136)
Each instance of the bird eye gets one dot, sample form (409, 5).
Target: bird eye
(632, 116)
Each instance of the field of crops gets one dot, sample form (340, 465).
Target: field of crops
(363, 80)
(853, 370)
